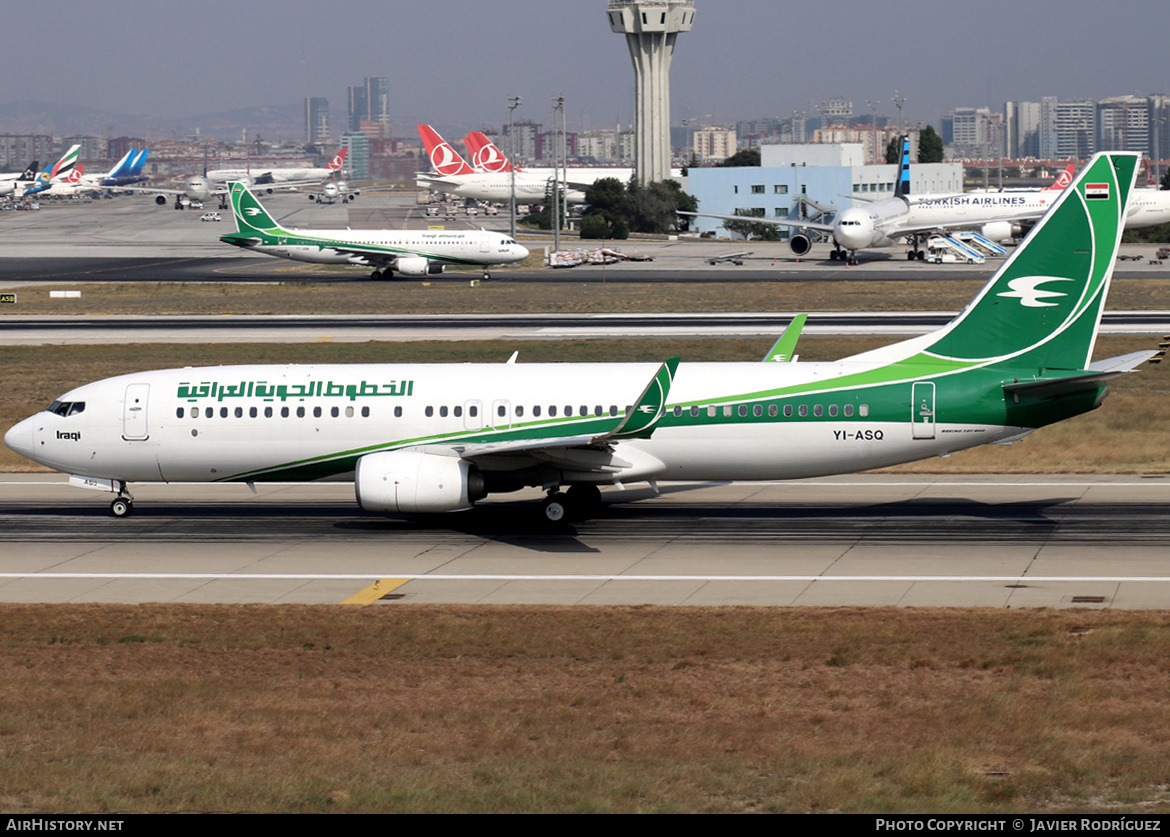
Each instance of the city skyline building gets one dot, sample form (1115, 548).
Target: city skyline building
(370, 102)
(316, 120)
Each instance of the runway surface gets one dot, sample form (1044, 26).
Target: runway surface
(988, 540)
(301, 328)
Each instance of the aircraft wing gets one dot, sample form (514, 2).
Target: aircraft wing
(373, 257)
(435, 181)
(959, 226)
(591, 451)
(779, 222)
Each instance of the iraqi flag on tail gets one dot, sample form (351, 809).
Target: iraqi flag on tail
(1097, 191)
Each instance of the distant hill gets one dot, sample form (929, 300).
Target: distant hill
(271, 122)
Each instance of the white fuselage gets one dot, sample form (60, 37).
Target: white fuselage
(471, 247)
(883, 223)
(255, 423)
(1147, 208)
(276, 176)
(495, 187)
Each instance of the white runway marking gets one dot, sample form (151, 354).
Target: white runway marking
(364, 577)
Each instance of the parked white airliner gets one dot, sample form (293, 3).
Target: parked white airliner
(453, 175)
(885, 223)
(215, 184)
(409, 252)
(438, 437)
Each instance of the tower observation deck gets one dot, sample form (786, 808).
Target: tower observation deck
(650, 27)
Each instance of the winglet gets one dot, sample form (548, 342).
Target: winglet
(650, 407)
(784, 350)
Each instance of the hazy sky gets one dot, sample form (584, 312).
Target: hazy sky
(456, 61)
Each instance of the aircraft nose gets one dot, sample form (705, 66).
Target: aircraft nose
(20, 438)
(521, 251)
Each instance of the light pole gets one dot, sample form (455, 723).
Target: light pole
(899, 100)
(513, 103)
(873, 103)
(1159, 122)
(560, 154)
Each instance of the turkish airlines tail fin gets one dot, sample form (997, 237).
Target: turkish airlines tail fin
(444, 159)
(485, 156)
(1063, 180)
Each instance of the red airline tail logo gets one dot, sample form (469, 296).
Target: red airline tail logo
(484, 154)
(338, 159)
(445, 159)
(75, 175)
(1065, 178)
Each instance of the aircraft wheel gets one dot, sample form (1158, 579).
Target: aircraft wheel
(554, 508)
(921, 255)
(834, 255)
(121, 507)
(486, 276)
(584, 501)
(911, 255)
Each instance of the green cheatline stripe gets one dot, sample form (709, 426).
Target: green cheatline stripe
(888, 402)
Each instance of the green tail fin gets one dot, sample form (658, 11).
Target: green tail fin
(1042, 308)
(251, 216)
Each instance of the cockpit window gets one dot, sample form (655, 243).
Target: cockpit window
(67, 408)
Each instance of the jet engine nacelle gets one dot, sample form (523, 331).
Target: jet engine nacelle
(999, 230)
(161, 200)
(407, 482)
(417, 266)
(799, 244)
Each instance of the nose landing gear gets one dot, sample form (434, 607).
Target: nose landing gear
(123, 504)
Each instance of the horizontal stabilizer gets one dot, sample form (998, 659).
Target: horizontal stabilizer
(1098, 373)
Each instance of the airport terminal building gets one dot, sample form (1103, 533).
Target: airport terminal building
(807, 181)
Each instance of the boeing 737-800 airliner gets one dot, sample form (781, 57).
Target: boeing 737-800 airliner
(439, 437)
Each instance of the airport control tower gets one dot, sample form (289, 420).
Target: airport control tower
(650, 27)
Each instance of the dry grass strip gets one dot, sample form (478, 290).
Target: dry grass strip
(543, 709)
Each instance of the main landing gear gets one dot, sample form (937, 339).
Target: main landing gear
(914, 252)
(580, 502)
(843, 255)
